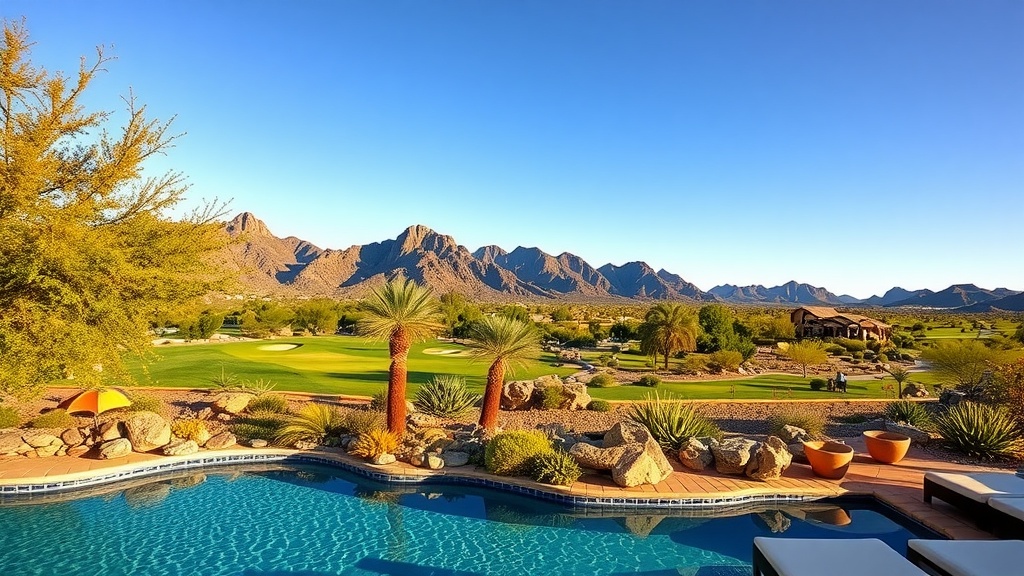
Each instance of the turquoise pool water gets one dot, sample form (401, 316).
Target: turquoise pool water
(311, 521)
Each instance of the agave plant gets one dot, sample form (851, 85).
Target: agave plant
(671, 422)
(908, 412)
(313, 423)
(980, 430)
(445, 396)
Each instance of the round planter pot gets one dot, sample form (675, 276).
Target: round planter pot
(886, 447)
(828, 459)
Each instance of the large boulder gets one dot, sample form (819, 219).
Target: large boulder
(641, 465)
(917, 436)
(517, 395)
(222, 441)
(10, 443)
(914, 390)
(110, 431)
(590, 456)
(147, 431)
(231, 402)
(576, 396)
(117, 448)
(630, 452)
(793, 434)
(733, 455)
(72, 437)
(40, 439)
(770, 461)
(454, 459)
(695, 455)
(181, 448)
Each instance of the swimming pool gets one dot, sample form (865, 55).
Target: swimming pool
(313, 521)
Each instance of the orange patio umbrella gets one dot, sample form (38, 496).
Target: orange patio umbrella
(97, 401)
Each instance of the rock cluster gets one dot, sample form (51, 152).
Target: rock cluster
(757, 460)
(525, 394)
(429, 446)
(630, 452)
(914, 390)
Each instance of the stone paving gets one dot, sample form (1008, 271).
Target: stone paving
(899, 485)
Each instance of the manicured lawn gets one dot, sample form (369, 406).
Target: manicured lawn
(784, 387)
(322, 364)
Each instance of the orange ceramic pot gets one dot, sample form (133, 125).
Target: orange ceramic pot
(886, 447)
(828, 459)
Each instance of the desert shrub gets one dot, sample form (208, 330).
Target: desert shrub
(362, 421)
(374, 443)
(550, 397)
(882, 358)
(858, 355)
(599, 406)
(56, 418)
(190, 429)
(812, 422)
(671, 422)
(144, 403)
(875, 346)
(980, 430)
(695, 363)
(906, 357)
(908, 412)
(852, 345)
(259, 426)
(445, 396)
(313, 423)
(268, 403)
(835, 349)
(1007, 389)
(379, 401)
(602, 381)
(258, 386)
(557, 467)
(725, 360)
(818, 384)
(9, 417)
(649, 380)
(852, 419)
(512, 453)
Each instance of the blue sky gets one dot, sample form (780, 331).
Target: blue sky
(854, 145)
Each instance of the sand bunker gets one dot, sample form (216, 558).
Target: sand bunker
(279, 347)
(445, 351)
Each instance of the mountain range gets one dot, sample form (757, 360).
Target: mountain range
(267, 264)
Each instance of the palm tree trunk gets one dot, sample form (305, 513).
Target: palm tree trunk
(397, 375)
(665, 353)
(492, 395)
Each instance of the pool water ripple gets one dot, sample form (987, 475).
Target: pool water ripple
(313, 522)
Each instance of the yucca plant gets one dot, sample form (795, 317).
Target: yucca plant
(379, 400)
(558, 468)
(268, 403)
(313, 423)
(907, 412)
(362, 421)
(671, 422)
(445, 396)
(374, 443)
(980, 430)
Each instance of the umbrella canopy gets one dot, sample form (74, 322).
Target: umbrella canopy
(97, 401)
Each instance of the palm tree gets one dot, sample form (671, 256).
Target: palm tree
(508, 342)
(400, 312)
(668, 328)
(900, 374)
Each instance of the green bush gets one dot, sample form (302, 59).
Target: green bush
(550, 397)
(313, 423)
(259, 425)
(9, 417)
(671, 422)
(512, 453)
(852, 345)
(908, 412)
(268, 403)
(602, 381)
(649, 380)
(882, 358)
(599, 406)
(858, 355)
(853, 419)
(812, 422)
(557, 467)
(980, 430)
(835, 349)
(693, 363)
(379, 401)
(56, 418)
(362, 421)
(725, 360)
(145, 403)
(445, 396)
(818, 384)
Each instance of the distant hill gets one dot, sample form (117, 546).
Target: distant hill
(270, 265)
(1011, 303)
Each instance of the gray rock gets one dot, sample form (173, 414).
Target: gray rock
(733, 454)
(630, 452)
(793, 434)
(72, 437)
(221, 441)
(640, 464)
(181, 448)
(383, 459)
(110, 431)
(597, 458)
(517, 395)
(770, 461)
(231, 402)
(433, 461)
(258, 443)
(915, 390)
(576, 396)
(454, 459)
(797, 450)
(695, 455)
(117, 448)
(147, 431)
(626, 432)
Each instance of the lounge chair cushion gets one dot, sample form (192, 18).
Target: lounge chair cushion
(1009, 505)
(972, 557)
(979, 486)
(818, 557)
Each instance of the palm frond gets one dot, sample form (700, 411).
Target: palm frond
(503, 339)
(400, 304)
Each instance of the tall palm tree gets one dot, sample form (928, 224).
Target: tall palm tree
(400, 312)
(508, 342)
(901, 375)
(668, 328)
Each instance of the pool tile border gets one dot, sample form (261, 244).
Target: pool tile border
(13, 489)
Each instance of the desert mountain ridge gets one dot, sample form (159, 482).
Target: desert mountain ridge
(291, 266)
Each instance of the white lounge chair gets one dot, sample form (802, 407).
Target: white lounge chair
(972, 492)
(1011, 523)
(826, 557)
(968, 557)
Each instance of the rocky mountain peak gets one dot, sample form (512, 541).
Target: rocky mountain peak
(420, 237)
(247, 223)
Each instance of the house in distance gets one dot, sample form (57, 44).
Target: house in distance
(824, 322)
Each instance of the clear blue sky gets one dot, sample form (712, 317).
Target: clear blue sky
(854, 144)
